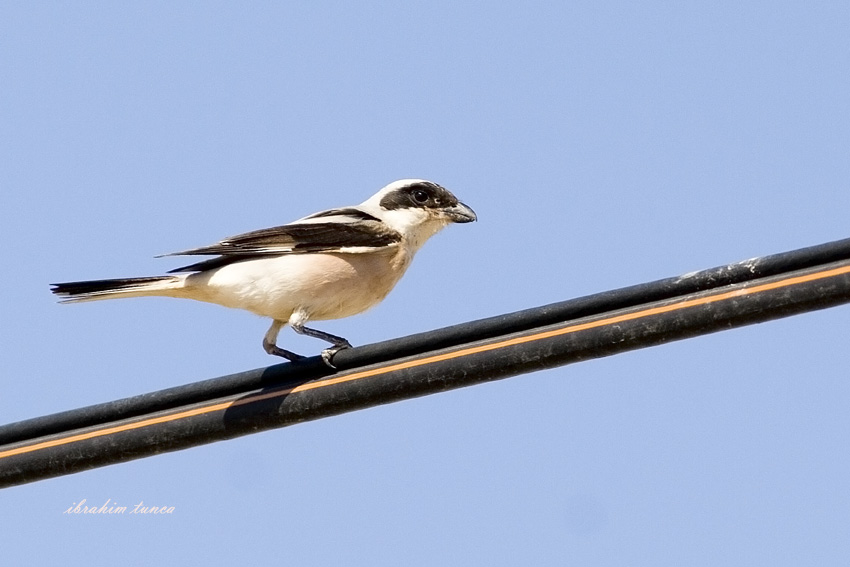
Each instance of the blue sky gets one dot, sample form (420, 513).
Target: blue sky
(602, 144)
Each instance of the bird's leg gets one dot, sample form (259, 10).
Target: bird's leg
(270, 343)
(338, 343)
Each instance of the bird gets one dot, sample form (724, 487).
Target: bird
(329, 265)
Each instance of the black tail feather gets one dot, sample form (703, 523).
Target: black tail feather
(72, 289)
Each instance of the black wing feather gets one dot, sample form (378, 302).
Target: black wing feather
(297, 238)
(350, 212)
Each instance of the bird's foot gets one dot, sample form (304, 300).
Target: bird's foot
(328, 353)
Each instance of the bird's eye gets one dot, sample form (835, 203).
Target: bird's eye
(420, 196)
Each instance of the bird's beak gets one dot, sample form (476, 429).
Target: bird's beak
(460, 213)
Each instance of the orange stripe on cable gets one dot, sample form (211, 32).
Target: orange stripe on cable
(222, 406)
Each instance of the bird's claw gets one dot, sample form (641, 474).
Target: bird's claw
(328, 353)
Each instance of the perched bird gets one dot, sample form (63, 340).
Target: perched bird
(328, 265)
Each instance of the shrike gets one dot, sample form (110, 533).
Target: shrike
(328, 265)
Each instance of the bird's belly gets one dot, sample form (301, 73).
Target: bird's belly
(321, 286)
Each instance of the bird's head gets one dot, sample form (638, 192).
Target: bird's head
(418, 209)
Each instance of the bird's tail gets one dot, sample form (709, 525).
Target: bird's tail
(72, 292)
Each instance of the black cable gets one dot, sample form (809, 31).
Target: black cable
(553, 335)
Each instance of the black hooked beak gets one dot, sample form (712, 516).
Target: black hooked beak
(460, 213)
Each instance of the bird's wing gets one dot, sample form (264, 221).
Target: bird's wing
(335, 230)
